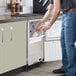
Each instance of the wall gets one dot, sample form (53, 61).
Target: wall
(27, 4)
(2, 6)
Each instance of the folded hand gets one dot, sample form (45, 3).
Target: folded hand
(43, 27)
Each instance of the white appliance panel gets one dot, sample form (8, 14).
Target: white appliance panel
(54, 31)
(52, 42)
(34, 53)
(35, 45)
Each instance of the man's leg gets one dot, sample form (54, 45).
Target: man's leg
(70, 27)
(64, 55)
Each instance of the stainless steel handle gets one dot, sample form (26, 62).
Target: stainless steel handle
(2, 34)
(11, 33)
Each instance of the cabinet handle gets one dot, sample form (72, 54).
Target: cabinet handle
(11, 33)
(2, 34)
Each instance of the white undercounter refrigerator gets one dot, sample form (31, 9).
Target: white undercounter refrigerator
(43, 46)
(52, 42)
(35, 44)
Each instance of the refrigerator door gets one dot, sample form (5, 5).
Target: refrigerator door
(35, 43)
(54, 32)
(52, 42)
(35, 52)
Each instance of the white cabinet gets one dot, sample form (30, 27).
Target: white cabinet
(52, 42)
(35, 43)
(12, 46)
(54, 32)
(53, 50)
(35, 52)
(1, 56)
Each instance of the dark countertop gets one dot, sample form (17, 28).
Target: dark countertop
(7, 18)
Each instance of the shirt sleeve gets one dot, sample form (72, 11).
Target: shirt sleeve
(51, 1)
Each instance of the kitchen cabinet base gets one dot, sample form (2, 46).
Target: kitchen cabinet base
(30, 67)
(14, 72)
(21, 69)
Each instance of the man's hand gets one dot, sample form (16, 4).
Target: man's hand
(38, 28)
(44, 27)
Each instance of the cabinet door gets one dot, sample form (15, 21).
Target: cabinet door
(15, 48)
(52, 50)
(1, 58)
(35, 52)
(2, 47)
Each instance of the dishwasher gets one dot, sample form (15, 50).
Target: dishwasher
(35, 45)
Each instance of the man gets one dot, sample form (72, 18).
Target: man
(68, 33)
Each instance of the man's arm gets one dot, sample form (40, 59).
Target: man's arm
(45, 17)
(47, 14)
(55, 14)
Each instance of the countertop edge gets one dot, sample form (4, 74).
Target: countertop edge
(15, 19)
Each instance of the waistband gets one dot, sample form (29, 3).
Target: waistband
(69, 10)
